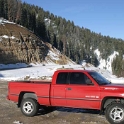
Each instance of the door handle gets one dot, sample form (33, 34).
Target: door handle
(69, 88)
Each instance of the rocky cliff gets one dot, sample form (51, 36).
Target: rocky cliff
(18, 44)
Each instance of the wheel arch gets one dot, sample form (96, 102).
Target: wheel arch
(24, 95)
(109, 100)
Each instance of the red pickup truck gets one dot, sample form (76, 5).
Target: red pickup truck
(70, 88)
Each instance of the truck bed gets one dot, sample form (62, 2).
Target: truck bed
(40, 88)
(33, 81)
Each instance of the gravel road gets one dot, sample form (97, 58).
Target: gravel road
(10, 114)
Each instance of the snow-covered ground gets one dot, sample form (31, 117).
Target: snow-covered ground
(35, 71)
(21, 71)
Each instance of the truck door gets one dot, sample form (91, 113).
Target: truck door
(58, 91)
(80, 94)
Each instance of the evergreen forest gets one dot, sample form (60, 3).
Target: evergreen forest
(78, 43)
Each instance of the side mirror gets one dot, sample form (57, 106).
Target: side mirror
(89, 82)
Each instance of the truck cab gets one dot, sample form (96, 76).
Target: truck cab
(75, 88)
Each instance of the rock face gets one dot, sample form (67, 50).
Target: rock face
(17, 44)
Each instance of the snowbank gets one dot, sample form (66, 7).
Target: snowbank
(22, 71)
(36, 71)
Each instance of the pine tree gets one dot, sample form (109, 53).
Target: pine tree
(24, 17)
(1, 8)
(41, 28)
(18, 13)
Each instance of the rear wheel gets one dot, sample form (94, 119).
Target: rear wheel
(115, 113)
(29, 107)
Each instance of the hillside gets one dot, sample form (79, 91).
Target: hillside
(77, 43)
(18, 44)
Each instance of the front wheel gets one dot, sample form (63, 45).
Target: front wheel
(115, 113)
(29, 107)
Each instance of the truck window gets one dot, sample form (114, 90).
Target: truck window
(62, 78)
(99, 78)
(78, 78)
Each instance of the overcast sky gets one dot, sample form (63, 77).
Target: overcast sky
(101, 16)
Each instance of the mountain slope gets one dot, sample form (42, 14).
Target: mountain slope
(18, 44)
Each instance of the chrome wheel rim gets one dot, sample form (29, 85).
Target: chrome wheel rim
(28, 107)
(117, 114)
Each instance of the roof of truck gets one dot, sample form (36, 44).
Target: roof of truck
(74, 70)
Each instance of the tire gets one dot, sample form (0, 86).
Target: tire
(115, 113)
(29, 107)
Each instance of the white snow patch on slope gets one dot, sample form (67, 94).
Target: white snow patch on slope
(53, 55)
(4, 21)
(6, 37)
(105, 64)
(110, 60)
(97, 52)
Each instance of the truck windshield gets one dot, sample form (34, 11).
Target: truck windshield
(99, 78)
